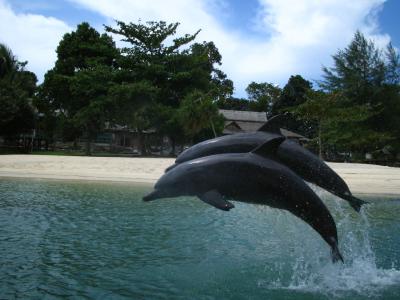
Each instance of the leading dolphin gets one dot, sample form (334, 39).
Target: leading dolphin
(248, 177)
(307, 165)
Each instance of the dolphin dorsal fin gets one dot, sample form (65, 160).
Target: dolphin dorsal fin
(270, 147)
(273, 125)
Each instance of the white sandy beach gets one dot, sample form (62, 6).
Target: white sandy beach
(361, 178)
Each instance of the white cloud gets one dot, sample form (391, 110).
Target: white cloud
(294, 36)
(31, 37)
(300, 35)
(310, 31)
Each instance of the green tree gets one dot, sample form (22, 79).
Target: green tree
(392, 66)
(390, 117)
(198, 112)
(17, 88)
(262, 96)
(233, 103)
(359, 74)
(77, 89)
(294, 93)
(358, 71)
(8, 63)
(330, 113)
(173, 69)
(134, 105)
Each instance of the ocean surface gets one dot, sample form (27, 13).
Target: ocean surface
(71, 240)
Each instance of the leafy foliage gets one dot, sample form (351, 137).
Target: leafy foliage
(294, 93)
(233, 103)
(197, 112)
(17, 88)
(76, 91)
(367, 83)
(174, 72)
(263, 96)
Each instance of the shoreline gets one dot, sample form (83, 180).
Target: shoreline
(362, 179)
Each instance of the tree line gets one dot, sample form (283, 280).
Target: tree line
(156, 80)
(353, 111)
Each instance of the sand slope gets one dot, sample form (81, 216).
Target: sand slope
(361, 178)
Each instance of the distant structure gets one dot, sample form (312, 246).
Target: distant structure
(237, 121)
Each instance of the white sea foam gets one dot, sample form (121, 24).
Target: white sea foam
(360, 274)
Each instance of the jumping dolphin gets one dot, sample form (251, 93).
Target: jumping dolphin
(307, 165)
(249, 177)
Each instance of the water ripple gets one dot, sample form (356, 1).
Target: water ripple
(100, 241)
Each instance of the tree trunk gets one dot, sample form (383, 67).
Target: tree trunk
(173, 146)
(75, 144)
(213, 128)
(33, 140)
(142, 144)
(88, 148)
(89, 139)
(320, 141)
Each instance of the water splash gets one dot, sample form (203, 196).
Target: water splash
(360, 274)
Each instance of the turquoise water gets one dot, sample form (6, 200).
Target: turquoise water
(65, 240)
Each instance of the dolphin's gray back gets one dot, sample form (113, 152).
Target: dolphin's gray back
(307, 165)
(236, 143)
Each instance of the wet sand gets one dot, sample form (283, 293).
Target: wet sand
(361, 178)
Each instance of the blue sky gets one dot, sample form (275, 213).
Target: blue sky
(260, 40)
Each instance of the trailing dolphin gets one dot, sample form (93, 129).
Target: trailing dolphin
(307, 165)
(249, 177)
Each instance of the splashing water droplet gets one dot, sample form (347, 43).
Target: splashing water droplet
(360, 274)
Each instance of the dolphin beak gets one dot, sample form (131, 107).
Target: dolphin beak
(152, 196)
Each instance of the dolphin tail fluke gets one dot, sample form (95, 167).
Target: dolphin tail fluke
(336, 256)
(354, 202)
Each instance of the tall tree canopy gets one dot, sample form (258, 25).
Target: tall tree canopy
(8, 62)
(263, 96)
(367, 83)
(17, 87)
(77, 88)
(233, 103)
(294, 93)
(358, 108)
(175, 69)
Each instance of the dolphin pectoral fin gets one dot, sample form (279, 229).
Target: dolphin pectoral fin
(270, 147)
(215, 199)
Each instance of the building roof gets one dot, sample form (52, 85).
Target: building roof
(248, 116)
(250, 121)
